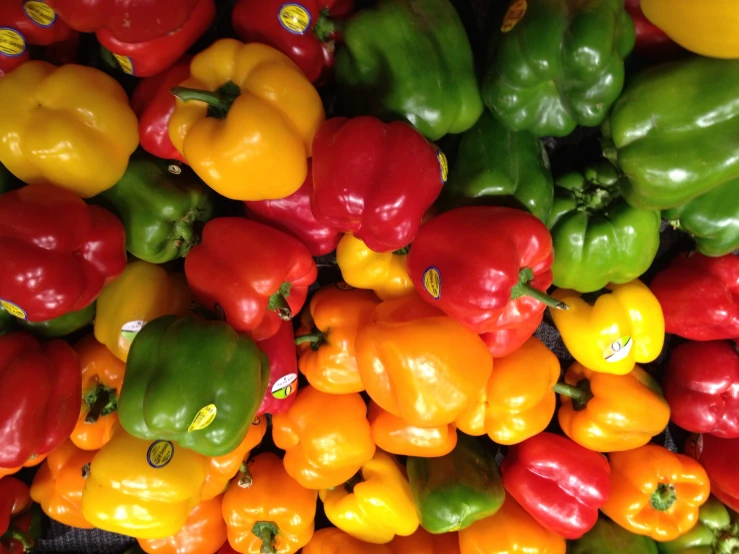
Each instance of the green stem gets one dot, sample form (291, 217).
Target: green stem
(313, 338)
(219, 101)
(402, 251)
(266, 531)
(245, 478)
(726, 543)
(278, 303)
(15, 534)
(97, 407)
(86, 471)
(524, 288)
(663, 497)
(580, 394)
(325, 28)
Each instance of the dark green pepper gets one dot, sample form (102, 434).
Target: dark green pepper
(608, 537)
(195, 382)
(717, 532)
(598, 238)
(62, 325)
(454, 491)
(560, 66)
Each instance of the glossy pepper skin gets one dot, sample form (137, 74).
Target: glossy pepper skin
(422, 542)
(69, 248)
(608, 537)
(255, 275)
(327, 337)
(598, 238)
(246, 109)
(15, 499)
(716, 531)
(714, 281)
(671, 156)
(454, 491)
(40, 386)
(623, 326)
(59, 326)
(162, 206)
(326, 437)
(303, 31)
(718, 457)
(655, 492)
(20, 521)
(434, 89)
(283, 370)
(419, 364)
(560, 66)
(334, 541)
(36, 118)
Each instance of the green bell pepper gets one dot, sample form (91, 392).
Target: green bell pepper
(673, 132)
(198, 383)
(162, 207)
(62, 325)
(411, 60)
(454, 491)
(598, 238)
(717, 532)
(608, 537)
(495, 165)
(560, 66)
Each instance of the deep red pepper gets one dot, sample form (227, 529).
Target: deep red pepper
(700, 296)
(300, 29)
(57, 252)
(651, 41)
(718, 457)
(20, 520)
(283, 370)
(512, 333)
(14, 499)
(561, 484)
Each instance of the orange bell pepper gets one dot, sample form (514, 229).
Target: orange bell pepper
(4, 471)
(222, 468)
(423, 542)
(102, 378)
(326, 338)
(420, 364)
(326, 438)
(656, 492)
(204, 532)
(334, 541)
(518, 401)
(58, 484)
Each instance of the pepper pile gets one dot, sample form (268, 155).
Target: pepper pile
(176, 208)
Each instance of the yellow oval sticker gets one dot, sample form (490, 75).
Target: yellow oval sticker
(515, 13)
(443, 166)
(14, 309)
(284, 386)
(618, 350)
(432, 282)
(38, 12)
(160, 453)
(125, 63)
(294, 18)
(12, 43)
(203, 418)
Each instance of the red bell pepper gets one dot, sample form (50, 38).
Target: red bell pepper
(561, 484)
(16, 535)
(252, 274)
(293, 215)
(14, 499)
(147, 58)
(40, 388)
(700, 296)
(300, 29)
(283, 370)
(57, 252)
(128, 20)
(718, 457)
(374, 179)
(651, 42)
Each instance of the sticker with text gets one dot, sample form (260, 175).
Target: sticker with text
(40, 13)
(618, 350)
(203, 418)
(515, 13)
(160, 453)
(14, 309)
(432, 282)
(131, 329)
(294, 18)
(284, 386)
(12, 43)
(125, 62)
(443, 166)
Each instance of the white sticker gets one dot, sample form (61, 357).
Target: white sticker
(131, 329)
(283, 387)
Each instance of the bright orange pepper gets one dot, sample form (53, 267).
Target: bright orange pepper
(423, 542)
(334, 541)
(326, 338)
(326, 438)
(4, 471)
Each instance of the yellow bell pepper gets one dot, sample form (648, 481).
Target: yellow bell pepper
(143, 292)
(142, 488)
(385, 273)
(245, 120)
(623, 326)
(69, 126)
(375, 505)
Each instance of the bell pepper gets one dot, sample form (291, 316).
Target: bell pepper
(20, 521)
(598, 238)
(326, 338)
(272, 513)
(495, 165)
(718, 457)
(715, 281)
(419, 364)
(246, 110)
(168, 394)
(162, 207)
(59, 326)
(558, 482)
(283, 370)
(68, 247)
(80, 107)
(518, 400)
(204, 532)
(422, 542)
(293, 215)
(454, 491)
(375, 180)
(609, 413)
(14, 499)
(655, 492)
(150, 57)
(435, 89)
(608, 537)
(334, 541)
(303, 31)
(716, 531)
(153, 104)
(510, 529)
(57, 485)
(40, 386)
(376, 504)
(623, 326)
(252, 274)
(386, 273)
(651, 42)
(558, 65)
(141, 294)
(670, 155)
(102, 378)
(31, 462)
(142, 488)
(7, 321)
(326, 437)
(8, 181)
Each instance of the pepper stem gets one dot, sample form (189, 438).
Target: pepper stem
(266, 531)
(101, 401)
(86, 471)
(326, 27)
(312, 338)
(726, 543)
(402, 251)
(245, 479)
(15, 534)
(278, 303)
(580, 394)
(219, 101)
(663, 497)
(353, 482)
(524, 288)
